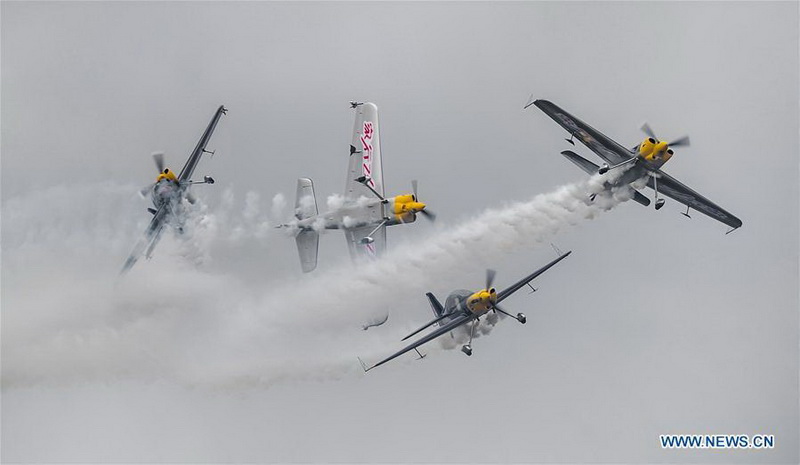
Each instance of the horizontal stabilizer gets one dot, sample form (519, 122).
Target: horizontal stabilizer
(307, 248)
(305, 203)
(639, 197)
(583, 163)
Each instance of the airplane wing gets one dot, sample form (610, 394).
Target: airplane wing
(458, 321)
(148, 241)
(602, 145)
(369, 251)
(194, 158)
(516, 286)
(674, 189)
(365, 154)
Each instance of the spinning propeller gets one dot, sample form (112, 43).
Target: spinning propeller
(429, 215)
(158, 159)
(681, 141)
(490, 275)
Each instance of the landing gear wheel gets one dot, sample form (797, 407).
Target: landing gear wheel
(467, 349)
(521, 318)
(659, 203)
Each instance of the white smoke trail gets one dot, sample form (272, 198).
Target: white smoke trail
(68, 319)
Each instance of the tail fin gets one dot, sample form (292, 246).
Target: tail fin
(437, 308)
(305, 206)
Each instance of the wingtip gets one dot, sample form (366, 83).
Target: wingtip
(531, 101)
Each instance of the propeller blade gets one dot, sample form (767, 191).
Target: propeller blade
(143, 192)
(683, 141)
(414, 188)
(648, 130)
(158, 158)
(499, 309)
(490, 277)
(430, 216)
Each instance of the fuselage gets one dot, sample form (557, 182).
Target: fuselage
(463, 302)
(364, 212)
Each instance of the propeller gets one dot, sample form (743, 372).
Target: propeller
(681, 141)
(158, 159)
(143, 192)
(490, 273)
(429, 215)
(648, 130)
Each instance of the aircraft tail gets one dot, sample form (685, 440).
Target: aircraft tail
(591, 168)
(305, 206)
(437, 308)
(583, 163)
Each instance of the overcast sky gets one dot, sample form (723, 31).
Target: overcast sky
(656, 324)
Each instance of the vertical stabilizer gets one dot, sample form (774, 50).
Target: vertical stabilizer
(437, 308)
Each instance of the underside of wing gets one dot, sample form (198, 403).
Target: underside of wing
(516, 286)
(364, 246)
(597, 142)
(458, 321)
(674, 189)
(365, 154)
(200, 148)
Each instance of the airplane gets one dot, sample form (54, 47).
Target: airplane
(168, 192)
(642, 161)
(365, 212)
(463, 307)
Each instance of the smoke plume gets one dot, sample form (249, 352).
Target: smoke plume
(68, 318)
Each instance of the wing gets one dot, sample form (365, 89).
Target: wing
(674, 189)
(599, 143)
(148, 240)
(370, 251)
(516, 286)
(460, 320)
(365, 154)
(194, 158)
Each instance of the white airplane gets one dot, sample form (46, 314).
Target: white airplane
(365, 212)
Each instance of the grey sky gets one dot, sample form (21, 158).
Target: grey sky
(656, 324)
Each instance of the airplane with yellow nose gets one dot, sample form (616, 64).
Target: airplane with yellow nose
(463, 307)
(168, 192)
(642, 162)
(364, 211)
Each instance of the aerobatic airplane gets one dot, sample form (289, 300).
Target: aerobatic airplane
(463, 307)
(365, 212)
(643, 161)
(168, 192)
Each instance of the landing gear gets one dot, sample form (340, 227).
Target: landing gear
(521, 318)
(659, 202)
(570, 139)
(467, 348)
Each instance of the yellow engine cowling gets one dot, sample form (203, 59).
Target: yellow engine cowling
(405, 207)
(166, 174)
(482, 301)
(655, 151)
